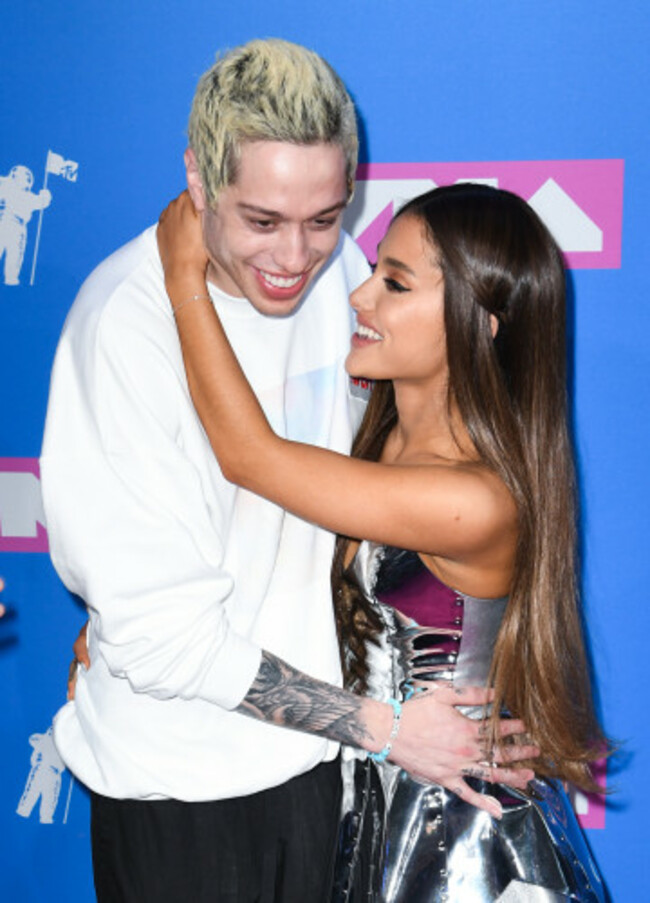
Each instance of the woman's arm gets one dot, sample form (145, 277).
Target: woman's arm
(450, 512)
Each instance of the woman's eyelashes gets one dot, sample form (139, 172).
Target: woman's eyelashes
(394, 286)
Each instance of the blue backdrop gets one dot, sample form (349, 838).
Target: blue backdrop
(105, 89)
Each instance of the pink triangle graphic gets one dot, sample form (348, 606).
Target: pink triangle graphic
(373, 234)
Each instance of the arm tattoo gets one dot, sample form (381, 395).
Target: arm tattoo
(282, 695)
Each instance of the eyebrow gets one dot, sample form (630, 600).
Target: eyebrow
(398, 265)
(274, 214)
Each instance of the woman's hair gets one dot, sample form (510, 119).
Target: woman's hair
(499, 259)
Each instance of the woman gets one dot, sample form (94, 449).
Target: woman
(461, 487)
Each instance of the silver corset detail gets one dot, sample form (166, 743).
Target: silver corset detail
(412, 651)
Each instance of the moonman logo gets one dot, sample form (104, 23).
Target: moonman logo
(17, 205)
(581, 201)
(43, 784)
(22, 520)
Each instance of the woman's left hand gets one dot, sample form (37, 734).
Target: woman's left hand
(182, 252)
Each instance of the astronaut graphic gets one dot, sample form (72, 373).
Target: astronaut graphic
(44, 779)
(17, 204)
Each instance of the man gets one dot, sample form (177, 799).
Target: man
(211, 628)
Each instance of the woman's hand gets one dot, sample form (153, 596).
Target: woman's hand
(182, 252)
(81, 657)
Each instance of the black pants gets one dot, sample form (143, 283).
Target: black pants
(276, 846)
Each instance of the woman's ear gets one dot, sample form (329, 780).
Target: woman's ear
(494, 326)
(194, 184)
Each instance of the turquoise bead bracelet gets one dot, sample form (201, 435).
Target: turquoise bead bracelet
(383, 754)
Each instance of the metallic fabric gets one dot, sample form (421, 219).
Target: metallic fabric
(403, 841)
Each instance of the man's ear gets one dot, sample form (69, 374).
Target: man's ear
(194, 184)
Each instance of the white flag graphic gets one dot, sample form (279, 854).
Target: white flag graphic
(56, 165)
(59, 166)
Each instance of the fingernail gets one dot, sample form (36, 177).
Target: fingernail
(496, 809)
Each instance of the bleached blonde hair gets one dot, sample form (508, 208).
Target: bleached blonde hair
(267, 90)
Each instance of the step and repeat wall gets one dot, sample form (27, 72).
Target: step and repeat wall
(546, 99)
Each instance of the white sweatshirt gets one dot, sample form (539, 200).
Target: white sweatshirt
(186, 577)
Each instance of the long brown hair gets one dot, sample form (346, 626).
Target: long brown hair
(498, 258)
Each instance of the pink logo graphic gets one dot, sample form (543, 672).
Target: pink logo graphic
(22, 521)
(581, 201)
(590, 808)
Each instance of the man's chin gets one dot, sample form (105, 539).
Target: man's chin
(277, 308)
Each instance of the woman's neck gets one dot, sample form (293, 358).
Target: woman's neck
(428, 425)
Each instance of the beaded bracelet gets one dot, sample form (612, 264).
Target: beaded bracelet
(189, 301)
(383, 754)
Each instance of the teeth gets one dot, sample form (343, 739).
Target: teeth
(367, 333)
(281, 281)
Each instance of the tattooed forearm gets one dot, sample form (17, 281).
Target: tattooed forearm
(282, 695)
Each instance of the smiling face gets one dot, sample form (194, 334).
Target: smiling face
(276, 226)
(400, 331)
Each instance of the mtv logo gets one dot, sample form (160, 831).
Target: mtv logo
(22, 520)
(71, 171)
(581, 201)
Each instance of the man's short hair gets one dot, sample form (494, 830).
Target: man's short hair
(267, 90)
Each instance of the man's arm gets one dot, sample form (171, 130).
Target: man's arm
(434, 742)
(129, 526)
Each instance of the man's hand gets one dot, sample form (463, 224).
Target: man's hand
(436, 743)
(81, 657)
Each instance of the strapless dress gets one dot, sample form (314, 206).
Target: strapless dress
(405, 841)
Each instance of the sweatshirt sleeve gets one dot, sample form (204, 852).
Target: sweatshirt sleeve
(128, 523)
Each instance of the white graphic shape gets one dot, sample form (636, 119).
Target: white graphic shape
(570, 226)
(17, 204)
(59, 166)
(44, 779)
(21, 505)
(579, 801)
(373, 196)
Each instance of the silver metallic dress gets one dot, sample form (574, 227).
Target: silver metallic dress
(403, 841)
